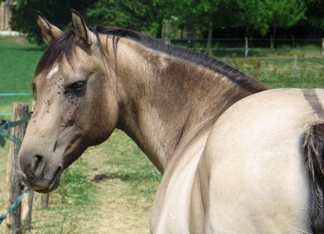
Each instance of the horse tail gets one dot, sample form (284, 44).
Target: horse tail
(314, 153)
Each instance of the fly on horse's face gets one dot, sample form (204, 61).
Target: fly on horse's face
(70, 104)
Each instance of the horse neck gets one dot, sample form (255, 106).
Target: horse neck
(168, 102)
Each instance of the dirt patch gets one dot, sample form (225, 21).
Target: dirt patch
(114, 214)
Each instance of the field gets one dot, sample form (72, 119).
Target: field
(111, 187)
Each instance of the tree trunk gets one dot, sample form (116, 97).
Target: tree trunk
(273, 38)
(159, 30)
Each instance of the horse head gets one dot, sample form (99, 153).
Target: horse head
(75, 104)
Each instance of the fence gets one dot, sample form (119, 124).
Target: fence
(14, 183)
(8, 100)
(292, 63)
(244, 45)
(19, 112)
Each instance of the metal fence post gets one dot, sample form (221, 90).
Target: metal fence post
(246, 47)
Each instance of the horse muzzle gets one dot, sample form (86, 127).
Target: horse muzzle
(38, 174)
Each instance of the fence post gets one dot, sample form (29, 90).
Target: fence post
(43, 200)
(295, 66)
(27, 208)
(246, 47)
(19, 111)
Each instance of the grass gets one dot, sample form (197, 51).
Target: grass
(110, 188)
(18, 60)
(283, 72)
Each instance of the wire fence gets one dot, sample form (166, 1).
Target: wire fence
(6, 98)
(243, 43)
(275, 72)
(290, 63)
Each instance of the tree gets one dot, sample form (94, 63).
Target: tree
(264, 15)
(315, 14)
(24, 15)
(137, 15)
(283, 14)
(195, 16)
(250, 14)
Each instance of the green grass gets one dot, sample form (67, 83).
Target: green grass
(18, 60)
(313, 51)
(305, 72)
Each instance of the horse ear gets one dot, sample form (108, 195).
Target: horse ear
(49, 31)
(81, 29)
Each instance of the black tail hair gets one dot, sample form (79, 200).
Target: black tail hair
(314, 153)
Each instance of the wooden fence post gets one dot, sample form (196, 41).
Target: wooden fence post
(19, 112)
(43, 200)
(27, 207)
(295, 66)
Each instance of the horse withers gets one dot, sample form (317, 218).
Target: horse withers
(235, 157)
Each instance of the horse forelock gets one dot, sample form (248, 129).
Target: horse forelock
(64, 44)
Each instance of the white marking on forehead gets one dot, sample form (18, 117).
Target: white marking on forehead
(54, 70)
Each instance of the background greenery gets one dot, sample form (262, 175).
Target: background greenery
(182, 18)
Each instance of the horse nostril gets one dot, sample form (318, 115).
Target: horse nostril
(38, 164)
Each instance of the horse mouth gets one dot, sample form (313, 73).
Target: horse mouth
(53, 182)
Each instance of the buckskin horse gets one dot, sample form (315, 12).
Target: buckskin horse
(235, 156)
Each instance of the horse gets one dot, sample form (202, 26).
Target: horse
(235, 156)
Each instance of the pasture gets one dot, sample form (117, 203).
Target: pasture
(111, 187)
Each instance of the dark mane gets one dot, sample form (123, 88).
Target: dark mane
(65, 42)
(190, 55)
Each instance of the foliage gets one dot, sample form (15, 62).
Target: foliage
(24, 15)
(315, 13)
(136, 15)
(265, 14)
(199, 16)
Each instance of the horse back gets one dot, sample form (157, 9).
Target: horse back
(253, 170)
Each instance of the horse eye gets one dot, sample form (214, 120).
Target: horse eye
(74, 88)
(77, 85)
(34, 90)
